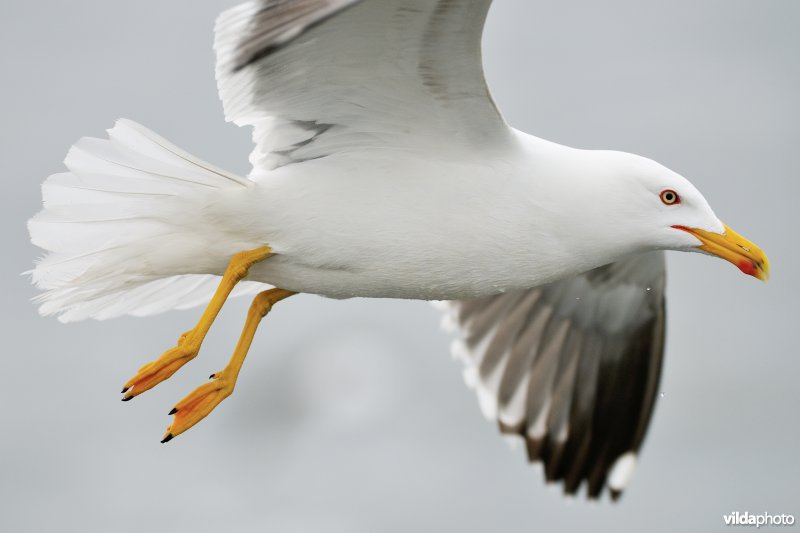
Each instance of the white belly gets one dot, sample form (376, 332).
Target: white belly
(428, 231)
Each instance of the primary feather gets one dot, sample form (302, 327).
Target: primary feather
(572, 367)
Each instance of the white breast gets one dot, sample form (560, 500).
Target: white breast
(397, 227)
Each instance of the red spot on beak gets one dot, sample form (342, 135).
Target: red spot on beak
(747, 267)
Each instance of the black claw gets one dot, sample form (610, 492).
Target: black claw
(125, 390)
(127, 398)
(167, 438)
(174, 410)
(211, 376)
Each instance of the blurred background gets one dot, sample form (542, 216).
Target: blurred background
(351, 416)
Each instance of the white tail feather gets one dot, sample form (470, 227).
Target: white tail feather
(124, 228)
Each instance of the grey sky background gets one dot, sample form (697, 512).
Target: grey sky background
(351, 416)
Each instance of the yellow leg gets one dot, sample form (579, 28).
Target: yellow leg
(205, 398)
(189, 343)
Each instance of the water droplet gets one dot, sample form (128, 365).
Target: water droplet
(661, 394)
(648, 288)
(577, 298)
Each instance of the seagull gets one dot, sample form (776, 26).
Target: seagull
(383, 169)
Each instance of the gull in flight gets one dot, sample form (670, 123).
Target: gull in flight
(382, 168)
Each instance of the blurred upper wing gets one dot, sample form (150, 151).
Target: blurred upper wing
(573, 367)
(315, 77)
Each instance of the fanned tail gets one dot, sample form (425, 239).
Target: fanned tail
(125, 228)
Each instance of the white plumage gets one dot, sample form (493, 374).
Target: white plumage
(123, 221)
(382, 168)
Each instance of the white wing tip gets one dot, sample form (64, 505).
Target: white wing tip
(448, 323)
(622, 471)
(459, 352)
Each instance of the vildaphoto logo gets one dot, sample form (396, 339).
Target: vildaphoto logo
(764, 519)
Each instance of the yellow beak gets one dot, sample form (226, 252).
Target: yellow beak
(734, 248)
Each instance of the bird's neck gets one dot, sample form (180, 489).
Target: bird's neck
(575, 204)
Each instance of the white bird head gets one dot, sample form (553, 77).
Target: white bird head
(645, 204)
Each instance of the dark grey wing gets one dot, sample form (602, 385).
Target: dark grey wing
(573, 367)
(317, 77)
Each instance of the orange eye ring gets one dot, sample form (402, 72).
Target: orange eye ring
(669, 197)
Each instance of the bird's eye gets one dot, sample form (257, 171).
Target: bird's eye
(670, 197)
